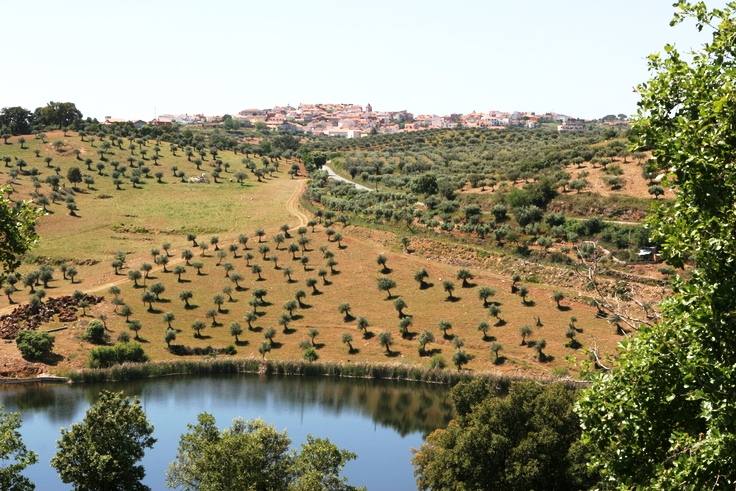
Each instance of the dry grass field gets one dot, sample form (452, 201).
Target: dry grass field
(135, 220)
(138, 220)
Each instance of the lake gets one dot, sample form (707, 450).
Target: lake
(381, 421)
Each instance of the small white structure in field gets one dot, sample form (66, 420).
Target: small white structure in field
(200, 179)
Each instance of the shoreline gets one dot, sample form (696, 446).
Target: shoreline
(255, 366)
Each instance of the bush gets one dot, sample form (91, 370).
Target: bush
(95, 333)
(107, 356)
(34, 345)
(526, 439)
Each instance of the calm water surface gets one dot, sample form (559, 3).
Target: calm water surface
(381, 421)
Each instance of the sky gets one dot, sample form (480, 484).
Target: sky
(138, 58)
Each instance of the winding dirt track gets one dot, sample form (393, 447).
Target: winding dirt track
(292, 204)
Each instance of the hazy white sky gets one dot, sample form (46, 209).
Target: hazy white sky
(129, 58)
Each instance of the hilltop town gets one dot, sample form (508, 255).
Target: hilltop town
(354, 120)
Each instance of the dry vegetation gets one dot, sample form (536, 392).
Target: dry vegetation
(138, 220)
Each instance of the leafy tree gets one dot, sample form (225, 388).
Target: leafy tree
(235, 331)
(59, 114)
(515, 278)
(578, 184)
(269, 335)
(424, 339)
(290, 306)
(312, 283)
(197, 326)
(484, 327)
(14, 455)
(95, 332)
(148, 297)
(185, 296)
(331, 263)
(656, 190)
(386, 340)
(400, 305)
(449, 288)
(218, 300)
(212, 314)
(301, 295)
(464, 275)
(460, 358)
(262, 456)
(347, 339)
(169, 336)
(135, 326)
(74, 176)
(382, 261)
(87, 459)
(558, 297)
(18, 231)
(312, 333)
(524, 440)
(485, 293)
(146, 268)
(525, 331)
(310, 354)
(664, 417)
(539, 346)
(444, 327)
(344, 309)
(17, 120)
(250, 318)
(126, 312)
(293, 249)
(178, 271)
(134, 275)
(386, 284)
(404, 325)
(523, 293)
(495, 349)
(363, 325)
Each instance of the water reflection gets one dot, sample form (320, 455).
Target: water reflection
(402, 406)
(381, 421)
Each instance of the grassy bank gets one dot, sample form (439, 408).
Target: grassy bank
(134, 371)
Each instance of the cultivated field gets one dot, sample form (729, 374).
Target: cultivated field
(134, 220)
(236, 273)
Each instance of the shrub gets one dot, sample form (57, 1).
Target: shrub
(95, 332)
(437, 362)
(122, 352)
(34, 345)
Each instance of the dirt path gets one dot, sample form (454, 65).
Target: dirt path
(337, 177)
(292, 204)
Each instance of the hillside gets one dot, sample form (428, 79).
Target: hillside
(149, 220)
